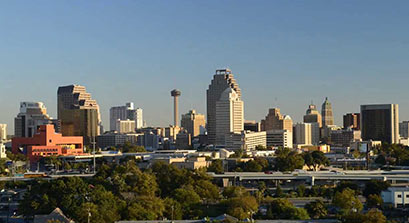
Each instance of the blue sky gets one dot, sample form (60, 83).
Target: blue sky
(283, 53)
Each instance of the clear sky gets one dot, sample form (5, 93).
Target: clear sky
(283, 53)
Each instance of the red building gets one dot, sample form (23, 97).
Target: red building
(46, 142)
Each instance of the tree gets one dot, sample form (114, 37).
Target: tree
(375, 187)
(235, 191)
(279, 191)
(261, 147)
(146, 208)
(347, 202)
(130, 148)
(301, 190)
(216, 166)
(316, 209)
(374, 216)
(284, 209)
(242, 207)
(287, 160)
(173, 209)
(374, 201)
(206, 190)
(315, 159)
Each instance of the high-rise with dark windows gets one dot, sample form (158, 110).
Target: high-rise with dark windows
(380, 122)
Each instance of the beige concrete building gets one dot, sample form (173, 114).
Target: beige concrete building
(246, 140)
(229, 115)
(31, 116)
(3, 132)
(222, 80)
(313, 116)
(303, 133)
(125, 126)
(276, 121)
(78, 113)
(193, 122)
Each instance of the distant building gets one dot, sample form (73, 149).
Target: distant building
(279, 138)
(252, 126)
(246, 140)
(352, 120)
(193, 122)
(229, 115)
(125, 126)
(313, 116)
(307, 133)
(78, 112)
(326, 131)
(310, 148)
(149, 140)
(46, 142)
(222, 80)
(31, 116)
(183, 140)
(344, 137)
(404, 129)
(171, 132)
(113, 139)
(3, 132)
(124, 113)
(397, 196)
(3, 154)
(276, 121)
(326, 113)
(380, 122)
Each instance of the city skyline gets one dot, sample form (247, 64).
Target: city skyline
(278, 61)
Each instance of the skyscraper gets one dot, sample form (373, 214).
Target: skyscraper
(380, 122)
(313, 116)
(124, 113)
(193, 122)
(276, 121)
(229, 115)
(222, 80)
(31, 116)
(326, 112)
(78, 113)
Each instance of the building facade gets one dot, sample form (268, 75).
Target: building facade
(112, 139)
(344, 137)
(404, 129)
(352, 120)
(78, 112)
(303, 134)
(326, 113)
(279, 138)
(313, 116)
(3, 132)
(222, 80)
(245, 140)
(125, 126)
(380, 122)
(46, 142)
(276, 121)
(229, 115)
(252, 126)
(193, 122)
(31, 116)
(123, 113)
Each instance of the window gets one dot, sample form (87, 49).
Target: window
(407, 195)
(399, 195)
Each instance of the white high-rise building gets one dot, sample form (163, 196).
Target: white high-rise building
(3, 132)
(229, 115)
(125, 126)
(124, 113)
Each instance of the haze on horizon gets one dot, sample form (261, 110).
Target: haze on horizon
(283, 54)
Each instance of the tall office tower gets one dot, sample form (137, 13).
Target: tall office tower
(352, 120)
(380, 122)
(193, 122)
(404, 129)
(222, 80)
(175, 94)
(229, 115)
(124, 113)
(313, 116)
(32, 115)
(78, 113)
(326, 113)
(3, 132)
(276, 121)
